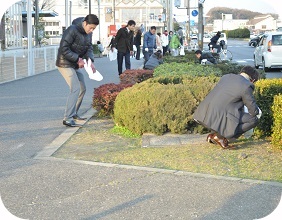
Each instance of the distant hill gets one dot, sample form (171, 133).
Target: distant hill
(216, 13)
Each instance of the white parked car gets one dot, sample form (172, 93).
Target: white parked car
(268, 52)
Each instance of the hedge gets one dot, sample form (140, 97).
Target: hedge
(162, 104)
(265, 91)
(277, 124)
(104, 97)
(172, 69)
(135, 76)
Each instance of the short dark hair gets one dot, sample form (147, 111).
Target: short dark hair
(251, 72)
(91, 19)
(153, 28)
(198, 52)
(131, 22)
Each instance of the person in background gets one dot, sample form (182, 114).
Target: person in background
(174, 45)
(75, 46)
(222, 110)
(180, 35)
(137, 43)
(155, 60)
(124, 44)
(165, 42)
(159, 41)
(149, 43)
(170, 34)
(213, 42)
(205, 56)
(100, 47)
(112, 43)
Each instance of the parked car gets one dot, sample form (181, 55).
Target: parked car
(268, 52)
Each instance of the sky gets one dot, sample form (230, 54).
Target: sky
(264, 6)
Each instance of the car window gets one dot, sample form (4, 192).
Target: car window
(277, 40)
(261, 41)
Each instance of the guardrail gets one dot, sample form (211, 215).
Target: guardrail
(14, 63)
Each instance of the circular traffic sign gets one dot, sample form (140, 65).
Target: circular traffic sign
(194, 13)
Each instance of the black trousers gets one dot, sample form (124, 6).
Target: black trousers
(246, 123)
(126, 56)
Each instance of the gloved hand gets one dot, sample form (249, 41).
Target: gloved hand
(146, 49)
(92, 72)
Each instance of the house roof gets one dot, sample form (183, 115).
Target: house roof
(256, 20)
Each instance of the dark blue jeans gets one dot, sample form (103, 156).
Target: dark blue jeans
(147, 55)
(120, 56)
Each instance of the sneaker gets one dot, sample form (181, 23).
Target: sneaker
(69, 123)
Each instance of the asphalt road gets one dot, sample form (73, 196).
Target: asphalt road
(31, 112)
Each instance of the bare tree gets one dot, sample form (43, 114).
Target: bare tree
(44, 4)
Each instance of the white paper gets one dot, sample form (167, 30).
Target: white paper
(95, 76)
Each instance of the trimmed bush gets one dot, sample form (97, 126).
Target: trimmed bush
(277, 123)
(162, 104)
(104, 97)
(264, 93)
(172, 69)
(188, 57)
(135, 76)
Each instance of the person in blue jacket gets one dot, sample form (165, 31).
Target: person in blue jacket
(149, 43)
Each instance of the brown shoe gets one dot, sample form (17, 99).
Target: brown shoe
(223, 142)
(209, 138)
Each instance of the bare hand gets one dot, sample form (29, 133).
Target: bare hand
(93, 68)
(80, 63)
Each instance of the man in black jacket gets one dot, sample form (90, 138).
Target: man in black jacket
(205, 56)
(124, 44)
(214, 40)
(75, 46)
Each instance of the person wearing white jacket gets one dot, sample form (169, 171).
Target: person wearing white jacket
(165, 41)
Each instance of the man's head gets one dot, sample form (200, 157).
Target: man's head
(131, 25)
(159, 54)
(251, 72)
(153, 29)
(90, 23)
(198, 53)
(218, 33)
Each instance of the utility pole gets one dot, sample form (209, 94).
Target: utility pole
(36, 22)
(66, 13)
(200, 24)
(89, 7)
(187, 5)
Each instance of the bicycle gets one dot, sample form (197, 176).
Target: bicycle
(223, 54)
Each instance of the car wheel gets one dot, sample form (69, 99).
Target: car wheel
(252, 44)
(263, 66)
(255, 63)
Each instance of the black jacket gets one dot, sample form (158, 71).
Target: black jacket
(124, 40)
(75, 44)
(137, 39)
(207, 56)
(214, 39)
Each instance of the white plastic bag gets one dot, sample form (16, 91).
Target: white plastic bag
(95, 76)
(113, 54)
(182, 53)
(250, 132)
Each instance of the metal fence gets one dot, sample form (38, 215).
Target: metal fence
(14, 63)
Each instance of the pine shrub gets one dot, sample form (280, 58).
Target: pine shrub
(172, 69)
(265, 91)
(161, 104)
(277, 123)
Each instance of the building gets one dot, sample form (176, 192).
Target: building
(262, 24)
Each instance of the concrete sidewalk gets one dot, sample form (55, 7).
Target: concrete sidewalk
(34, 185)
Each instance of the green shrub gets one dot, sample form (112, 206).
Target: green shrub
(277, 123)
(162, 104)
(172, 69)
(104, 97)
(264, 93)
(135, 76)
(188, 57)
